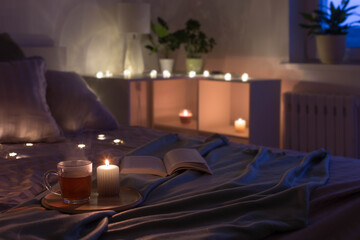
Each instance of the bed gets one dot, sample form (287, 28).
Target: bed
(254, 192)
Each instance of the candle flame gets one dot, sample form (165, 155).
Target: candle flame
(107, 163)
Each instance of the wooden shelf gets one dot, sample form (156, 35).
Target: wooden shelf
(214, 103)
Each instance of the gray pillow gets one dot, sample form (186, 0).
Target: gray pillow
(24, 113)
(74, 106)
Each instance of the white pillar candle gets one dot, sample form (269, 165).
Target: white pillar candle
(240, 125)
(108, 183)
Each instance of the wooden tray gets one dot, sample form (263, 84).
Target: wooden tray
(127, 198)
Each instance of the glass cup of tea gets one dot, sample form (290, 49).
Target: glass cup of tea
(74, 180)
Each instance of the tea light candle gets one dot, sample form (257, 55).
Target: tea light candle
(185, 116)
(192, 74)
(108, 183)
(240, 125)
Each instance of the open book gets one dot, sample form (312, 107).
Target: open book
(174, 160)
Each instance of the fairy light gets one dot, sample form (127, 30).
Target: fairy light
(99, 74)
(227, 77)
(118, 141)
(192, 74)
(101, 137)
(245, 77)
(206, 73)
(81, 145)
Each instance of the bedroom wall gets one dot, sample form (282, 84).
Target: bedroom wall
(252, 36)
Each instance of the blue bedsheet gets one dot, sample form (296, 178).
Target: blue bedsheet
(252, 193)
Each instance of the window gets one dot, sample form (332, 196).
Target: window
(353, 38)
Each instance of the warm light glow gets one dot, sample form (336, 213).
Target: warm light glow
(108, 73)
(127, 73)
(245, 77)
(206, 73)
(240, 125)
(118, 141)
(153, 74)
(99, 75)
(29, 144)
(227, 77)
(101, 137)
(192, 74)
(185, 113)
(12, 154)
(166, 74)
(81, 145)
(107, 163)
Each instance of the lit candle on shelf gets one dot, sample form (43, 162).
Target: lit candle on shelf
(127, 73)
(166, 74)
(153, 74)
(240, 125)
(192, 74)
(108, 183)
(245, 77)
(185, 116)
(227, 77)
(206, 73)
(29, 144)
(101, 137)
(99, 75)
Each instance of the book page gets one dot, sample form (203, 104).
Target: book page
(185, 158)
(143, 165)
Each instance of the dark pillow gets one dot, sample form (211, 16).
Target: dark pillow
(74, 106)
(9, 50)
(24, 113)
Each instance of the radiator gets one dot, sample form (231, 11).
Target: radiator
(314, 121)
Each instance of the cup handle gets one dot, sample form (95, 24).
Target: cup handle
(46, 182)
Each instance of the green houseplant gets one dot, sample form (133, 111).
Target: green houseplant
(330, 30)
(166, 43)
(196, 43)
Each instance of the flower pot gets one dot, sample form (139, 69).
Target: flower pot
(194, 64)
(166, 64)
(331, 48)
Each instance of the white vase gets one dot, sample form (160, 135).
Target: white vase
(166, 64)
(194, 64)
(331, 48)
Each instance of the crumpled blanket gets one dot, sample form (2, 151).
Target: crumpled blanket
(253, 193)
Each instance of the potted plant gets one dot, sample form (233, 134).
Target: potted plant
(195, 43)
(330, 30)
(166, 43)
